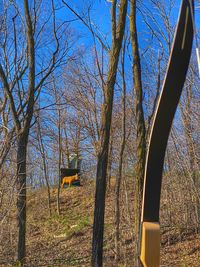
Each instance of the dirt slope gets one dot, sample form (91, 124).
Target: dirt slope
(65, 240)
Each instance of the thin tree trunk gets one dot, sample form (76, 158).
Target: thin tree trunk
(98, 227)
(140, 123)
(42, 152)
(47, 183)
(59, 161)
(21, 196)
(109, 170)
(67, 151)
(23, 140)
(119, 176)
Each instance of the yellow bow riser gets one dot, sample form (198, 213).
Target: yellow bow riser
(150, 250)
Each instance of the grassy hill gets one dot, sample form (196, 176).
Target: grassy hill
(65, 240)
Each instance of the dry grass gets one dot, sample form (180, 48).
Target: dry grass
(65, 240)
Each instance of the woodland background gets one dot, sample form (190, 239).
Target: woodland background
(84, 78)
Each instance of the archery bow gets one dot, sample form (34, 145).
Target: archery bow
(166, 108)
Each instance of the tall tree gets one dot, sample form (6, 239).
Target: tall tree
(121, 154)
(22, 77)
(118, 28)
(140, 122)
(22, 131)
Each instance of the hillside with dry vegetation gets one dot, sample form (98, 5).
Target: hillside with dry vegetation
(65, 240)
(89, 90)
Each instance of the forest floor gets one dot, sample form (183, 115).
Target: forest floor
(65, 240)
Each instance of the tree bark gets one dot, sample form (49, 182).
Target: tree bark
(44, 162)
(140, 122)
(59, 160)
(21, 196)
(119, 176)
(46, 177)
(109, 168)
(23, 141)
(98, 227)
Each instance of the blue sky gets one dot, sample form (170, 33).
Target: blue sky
(100, 14)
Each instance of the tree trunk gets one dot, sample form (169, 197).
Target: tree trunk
(59, 161)
(98, 227)
(44, 162)
(47, 181)
(140, 122)
(109, 170)
(23, 140)
(119, 176)
(21, 196)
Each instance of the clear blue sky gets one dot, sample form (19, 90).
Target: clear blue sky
(100, 15)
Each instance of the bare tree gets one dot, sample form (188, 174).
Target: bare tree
(22, 83)
(188, 126)
(122, 148)
(140, 122)
(118, 28)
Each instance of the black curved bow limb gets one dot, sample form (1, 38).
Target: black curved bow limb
(166, 108)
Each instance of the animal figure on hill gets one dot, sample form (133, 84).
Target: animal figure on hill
(69, 180)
